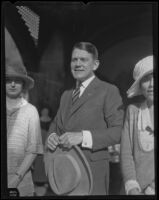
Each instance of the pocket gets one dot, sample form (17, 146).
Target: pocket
(146, 140)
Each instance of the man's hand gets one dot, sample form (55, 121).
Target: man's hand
(53, 141)
(70, 139)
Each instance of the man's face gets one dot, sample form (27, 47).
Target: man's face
(14, 87)
(83, 64)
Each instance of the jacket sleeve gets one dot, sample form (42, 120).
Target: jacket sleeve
(127, 161)
(54, 128)
(113, 117)
(56, 125)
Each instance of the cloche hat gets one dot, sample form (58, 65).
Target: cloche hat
(142, 68)
(18, 70)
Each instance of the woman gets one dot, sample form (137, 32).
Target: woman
(137, 142)
(24, 140)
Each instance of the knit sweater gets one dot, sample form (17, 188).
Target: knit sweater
(23, 137)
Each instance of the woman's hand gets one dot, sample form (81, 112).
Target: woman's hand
(134, 191)
(14, 182)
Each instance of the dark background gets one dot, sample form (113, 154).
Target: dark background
(123, 32)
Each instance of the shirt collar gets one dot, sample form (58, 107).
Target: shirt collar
(87, 82)
(15, 105)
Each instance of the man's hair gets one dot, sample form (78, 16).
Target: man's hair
(87, 46)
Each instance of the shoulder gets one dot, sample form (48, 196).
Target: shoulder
(66, 93)
(30, 109)
(106, 85)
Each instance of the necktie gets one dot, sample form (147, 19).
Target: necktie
(75, 94)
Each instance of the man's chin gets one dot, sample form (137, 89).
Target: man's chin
(78, 77)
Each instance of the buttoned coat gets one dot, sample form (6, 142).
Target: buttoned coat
(100, 111)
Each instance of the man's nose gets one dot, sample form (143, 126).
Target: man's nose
(78, 63)
(13, 83)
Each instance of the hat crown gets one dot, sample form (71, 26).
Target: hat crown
(142, 67)
(68, 171)
(16, 70)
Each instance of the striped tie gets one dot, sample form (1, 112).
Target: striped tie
(75, 95)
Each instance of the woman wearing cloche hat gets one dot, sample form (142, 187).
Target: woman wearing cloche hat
(137, 141)
(23, 130)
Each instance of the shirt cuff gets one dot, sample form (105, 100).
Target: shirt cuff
(130, 184)
(87, 139)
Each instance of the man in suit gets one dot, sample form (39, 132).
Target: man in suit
(90, 116)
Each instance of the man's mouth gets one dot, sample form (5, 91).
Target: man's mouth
(78, 69)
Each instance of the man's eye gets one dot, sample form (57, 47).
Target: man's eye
(74, 59)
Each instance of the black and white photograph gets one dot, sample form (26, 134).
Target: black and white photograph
(79, 99)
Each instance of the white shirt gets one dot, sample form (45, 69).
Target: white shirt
(85, 84)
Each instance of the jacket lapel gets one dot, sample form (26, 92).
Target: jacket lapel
(89, 91)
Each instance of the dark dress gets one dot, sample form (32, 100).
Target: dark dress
(38, 166)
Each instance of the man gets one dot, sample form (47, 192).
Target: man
(93, 120)
(23, 130)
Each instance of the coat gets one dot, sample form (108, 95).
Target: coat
(100, 111)
(136, 163)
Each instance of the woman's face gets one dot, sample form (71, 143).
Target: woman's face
(14, 87)
(146, 85)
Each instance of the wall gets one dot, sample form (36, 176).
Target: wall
(117, 63)
(12, 53)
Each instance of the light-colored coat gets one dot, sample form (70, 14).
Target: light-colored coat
(136, 163)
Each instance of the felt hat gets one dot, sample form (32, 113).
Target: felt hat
(68, 172)
(142, 68)
(17, 70)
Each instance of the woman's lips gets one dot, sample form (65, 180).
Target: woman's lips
(12, 90)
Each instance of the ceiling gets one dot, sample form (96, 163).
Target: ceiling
(89, 17)
(102, 23)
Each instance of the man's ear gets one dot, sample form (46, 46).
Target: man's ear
(96, 65)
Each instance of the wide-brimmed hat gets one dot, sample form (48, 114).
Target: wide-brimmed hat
(142, 68)
(68, 172)
(18, 70)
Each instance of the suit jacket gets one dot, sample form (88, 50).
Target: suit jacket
(98, 110)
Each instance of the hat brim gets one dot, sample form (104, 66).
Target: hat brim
(85, 185)
(135, 90)
(29, 82)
